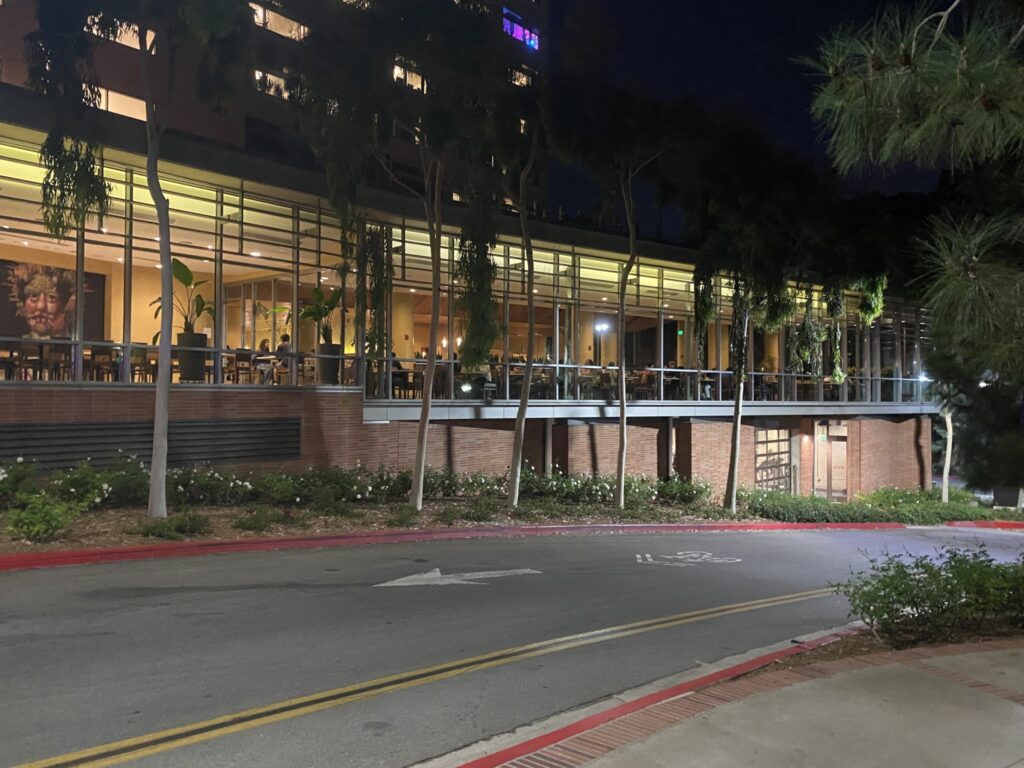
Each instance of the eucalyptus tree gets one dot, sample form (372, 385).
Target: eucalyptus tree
(760, 217)
(369, 73)
(616, 134)
(61, 68)
(939, 88)
(516, 134)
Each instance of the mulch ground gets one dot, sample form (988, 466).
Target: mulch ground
(863, 644)
(114, 528)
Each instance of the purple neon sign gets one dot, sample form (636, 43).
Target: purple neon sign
(510, 24)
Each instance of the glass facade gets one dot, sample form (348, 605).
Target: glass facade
(82, 309)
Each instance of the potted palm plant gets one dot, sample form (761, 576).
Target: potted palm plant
(191, 307)
(321, 311)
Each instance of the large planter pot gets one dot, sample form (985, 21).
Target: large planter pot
(191, 365)
(328, 365)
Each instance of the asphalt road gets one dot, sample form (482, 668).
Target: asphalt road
(96, 654)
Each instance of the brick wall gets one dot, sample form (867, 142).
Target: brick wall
(881, 452)
(333, 432)
(594, 448)
(703, 448)
(885, 453)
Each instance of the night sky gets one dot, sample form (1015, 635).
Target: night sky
(734, 54)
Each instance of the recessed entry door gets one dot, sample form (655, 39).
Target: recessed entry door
(830, 477)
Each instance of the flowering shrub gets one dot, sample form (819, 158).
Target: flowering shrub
(586, 489)
(679, 490)
(40, 517)
(16, 479)
(82, 485)
(208, 486)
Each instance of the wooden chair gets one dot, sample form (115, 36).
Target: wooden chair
(243, 370)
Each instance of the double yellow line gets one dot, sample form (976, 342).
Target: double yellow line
(174, 738)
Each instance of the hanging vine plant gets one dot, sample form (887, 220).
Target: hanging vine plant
(704, 314)
(778, 307)
(741, 312)
(811, 335)
(476, 273)
(835, 304)
(872, 299)
(376, 256)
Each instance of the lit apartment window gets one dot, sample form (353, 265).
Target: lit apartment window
(127, 35)
(406, 74)
(522, 126)
(269, 83)
(278, 24)
(456, 197)
(121, 104)
(520, 78)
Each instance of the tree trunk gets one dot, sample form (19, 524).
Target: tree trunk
(157, 504)
(620, 467)
(515, 469)
(433, 213)
(1020, 499)
(734, 453)
(739, 374)
(948, 458)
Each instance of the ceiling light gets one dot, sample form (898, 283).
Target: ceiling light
(120, 259)
(412, 290)
(665, 306)
(159, 266)
(24, 242)
(255, 254)
(604, 298)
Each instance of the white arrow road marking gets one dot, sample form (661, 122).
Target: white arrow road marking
(685, 559)
(434, 578)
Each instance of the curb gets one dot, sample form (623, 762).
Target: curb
(33, 560)
(538, 743)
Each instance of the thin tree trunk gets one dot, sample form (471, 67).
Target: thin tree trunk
(157, 504)
(737, 425)
(515, 469)
(948, 458)
(620, 467)
(433, 212)
(1020, 499)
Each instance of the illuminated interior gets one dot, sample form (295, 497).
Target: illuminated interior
(82, 309)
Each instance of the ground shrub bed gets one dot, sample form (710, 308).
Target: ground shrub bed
(955, 595)
(37, 506)
(885, 505)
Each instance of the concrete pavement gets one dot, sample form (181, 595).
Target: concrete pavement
(934, 707)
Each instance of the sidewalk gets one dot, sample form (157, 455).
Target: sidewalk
(941, 706)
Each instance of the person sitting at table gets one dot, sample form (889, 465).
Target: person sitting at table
(396, 364)
(282, 355)
(264, 363)
(608, 382)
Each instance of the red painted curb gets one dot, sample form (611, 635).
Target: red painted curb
(30, 560)
(593, 721)
(1006, 525)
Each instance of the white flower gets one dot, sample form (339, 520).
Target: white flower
(180, 489)
(72, 490)
(297, 499)
(96, 500)
(359, 495)
(20, 459)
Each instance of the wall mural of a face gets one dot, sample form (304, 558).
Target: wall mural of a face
(44, 298)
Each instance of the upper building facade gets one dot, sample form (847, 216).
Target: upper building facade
(250, 220)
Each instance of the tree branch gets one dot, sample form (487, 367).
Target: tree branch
(943, 17)
(394, 179)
